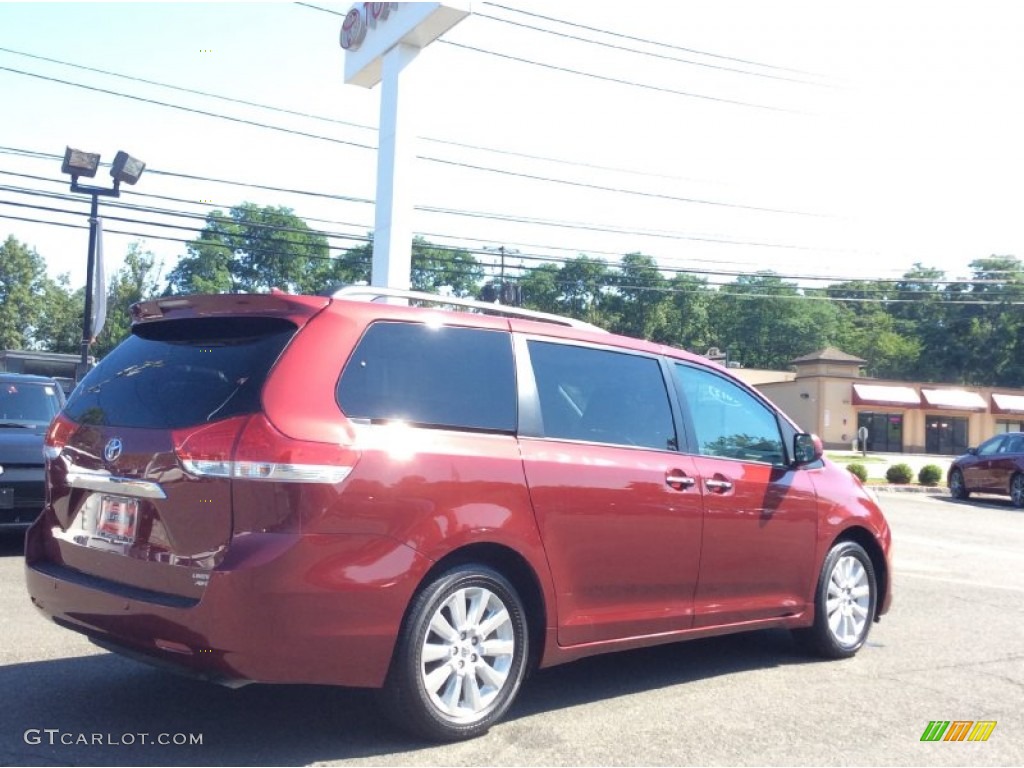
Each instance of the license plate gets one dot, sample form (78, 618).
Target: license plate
(6, 498)
(117, 518)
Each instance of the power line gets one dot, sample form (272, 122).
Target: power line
(647, 40)
(605, 78)
(620, 81)
(191, 110)
(651, 54)
(324, 118)
(487, 169)
(620, 190)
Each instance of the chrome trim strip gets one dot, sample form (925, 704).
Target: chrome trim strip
(121, 486)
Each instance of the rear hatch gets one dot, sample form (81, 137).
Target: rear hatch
(139, 462)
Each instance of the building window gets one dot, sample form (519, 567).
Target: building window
(945, 435)
(1002, 427)
(885, 431)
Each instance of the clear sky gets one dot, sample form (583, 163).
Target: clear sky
(809, 138)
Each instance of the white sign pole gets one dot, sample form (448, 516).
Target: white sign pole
(396, 153)
(380, 41)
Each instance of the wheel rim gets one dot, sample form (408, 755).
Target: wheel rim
(1017, 491)
(467, 653)
(956, 482)
(849, 600)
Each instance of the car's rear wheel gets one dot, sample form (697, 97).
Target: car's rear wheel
(460, 657)
(844, 604)
(957, 487)
(1017, 490)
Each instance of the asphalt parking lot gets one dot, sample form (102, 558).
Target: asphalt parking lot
(951, 649)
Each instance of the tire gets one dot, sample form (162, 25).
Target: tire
(1017, 490)
(957, 486)
(844, 603)
(460, 657)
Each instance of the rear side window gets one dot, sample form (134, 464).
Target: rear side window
(462, 378)
(178, 373)
(602, 396)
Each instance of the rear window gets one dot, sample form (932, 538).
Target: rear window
(461, 378)
(180, 373)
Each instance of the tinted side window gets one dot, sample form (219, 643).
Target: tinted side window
(728, 420)
(179, 373)
(992, 446)
(462, 378)
(602, 396)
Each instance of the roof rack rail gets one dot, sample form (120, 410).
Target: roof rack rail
(372, 293)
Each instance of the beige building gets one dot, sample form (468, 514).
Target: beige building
(827, 393)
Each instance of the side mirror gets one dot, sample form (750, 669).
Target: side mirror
(972, 451)
(807, 449)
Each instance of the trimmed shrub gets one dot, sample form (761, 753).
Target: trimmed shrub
(859, 470)
(900, 474)
(930, 474)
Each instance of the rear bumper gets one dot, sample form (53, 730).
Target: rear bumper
(281, 608)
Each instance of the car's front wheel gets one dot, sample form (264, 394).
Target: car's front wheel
(844, 603)
(460, 657)
(1017, 490)
(957, 486)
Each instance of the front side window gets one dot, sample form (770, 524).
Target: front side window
(459, 378)
(727, 420)
(602, 396)
(991, 446)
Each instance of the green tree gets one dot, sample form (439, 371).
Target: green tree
(254, 248)
(438, 269)
(868, 330)
(23, 285)
(688, 322)
(60, 325)
(137, 280)
(540, 287)
(641, 303)
(584, 285)
(764, 321)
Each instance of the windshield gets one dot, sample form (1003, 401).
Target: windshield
(27, 404)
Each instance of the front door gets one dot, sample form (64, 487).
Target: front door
(760, 515)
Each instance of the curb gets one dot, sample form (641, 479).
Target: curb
(933, 490)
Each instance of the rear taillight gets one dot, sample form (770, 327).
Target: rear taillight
(251, 448)
(57, 436)
(207, 451)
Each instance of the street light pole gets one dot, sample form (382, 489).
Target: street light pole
(124, 168)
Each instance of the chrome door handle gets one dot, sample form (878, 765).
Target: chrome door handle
(720, 486)
(679, 481)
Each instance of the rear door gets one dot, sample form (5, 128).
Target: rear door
(136, 454)
(760, 514)
(617, 505)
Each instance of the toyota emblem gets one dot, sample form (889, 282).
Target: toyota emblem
(113, 449)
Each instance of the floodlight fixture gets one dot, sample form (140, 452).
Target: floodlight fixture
(79, 163)
(126, 168)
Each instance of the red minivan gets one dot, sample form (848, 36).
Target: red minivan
(432, 500)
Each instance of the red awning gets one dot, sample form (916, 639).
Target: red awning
(879, 394)
(954, 400)
(1007, 403)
